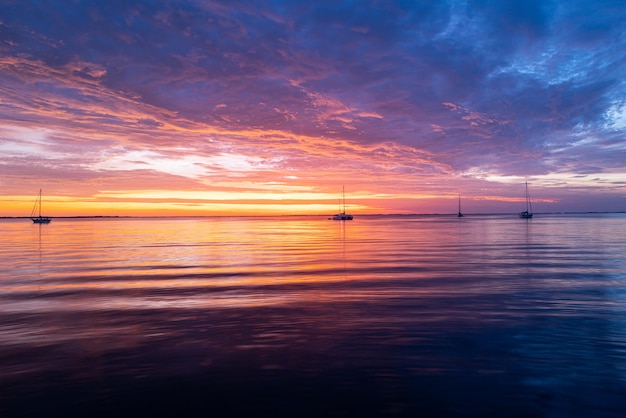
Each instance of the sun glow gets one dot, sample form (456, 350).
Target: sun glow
(182, 203)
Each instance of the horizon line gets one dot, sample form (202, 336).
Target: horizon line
(308, 215)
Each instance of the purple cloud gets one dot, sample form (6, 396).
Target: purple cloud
(500, 88)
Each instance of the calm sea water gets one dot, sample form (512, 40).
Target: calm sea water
(301, 316)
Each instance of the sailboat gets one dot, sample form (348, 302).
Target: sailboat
(343, 216)
(37, 209)
(460, 215)
(528, 213)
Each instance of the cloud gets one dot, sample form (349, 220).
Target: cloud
(385, 91)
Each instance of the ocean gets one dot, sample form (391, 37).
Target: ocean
(426, 316)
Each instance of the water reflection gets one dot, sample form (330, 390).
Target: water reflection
(384, 315)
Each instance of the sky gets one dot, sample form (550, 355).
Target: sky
(239, 107)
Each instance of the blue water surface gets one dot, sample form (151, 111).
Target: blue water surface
(301, 316)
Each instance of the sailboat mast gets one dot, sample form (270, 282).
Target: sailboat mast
(526, 196)
(40, 203)
(343, 197)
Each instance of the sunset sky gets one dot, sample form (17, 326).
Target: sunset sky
(270, 107)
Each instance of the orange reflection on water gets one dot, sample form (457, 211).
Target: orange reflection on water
(215, 262)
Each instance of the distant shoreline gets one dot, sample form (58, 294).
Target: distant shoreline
(299, 215)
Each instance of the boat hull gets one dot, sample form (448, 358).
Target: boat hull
(41, 220)
(342, 217)
(525, 215)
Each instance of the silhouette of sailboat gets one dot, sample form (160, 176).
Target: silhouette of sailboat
(528, 213)
(460, 215)
(37, 209)
(343, 216)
